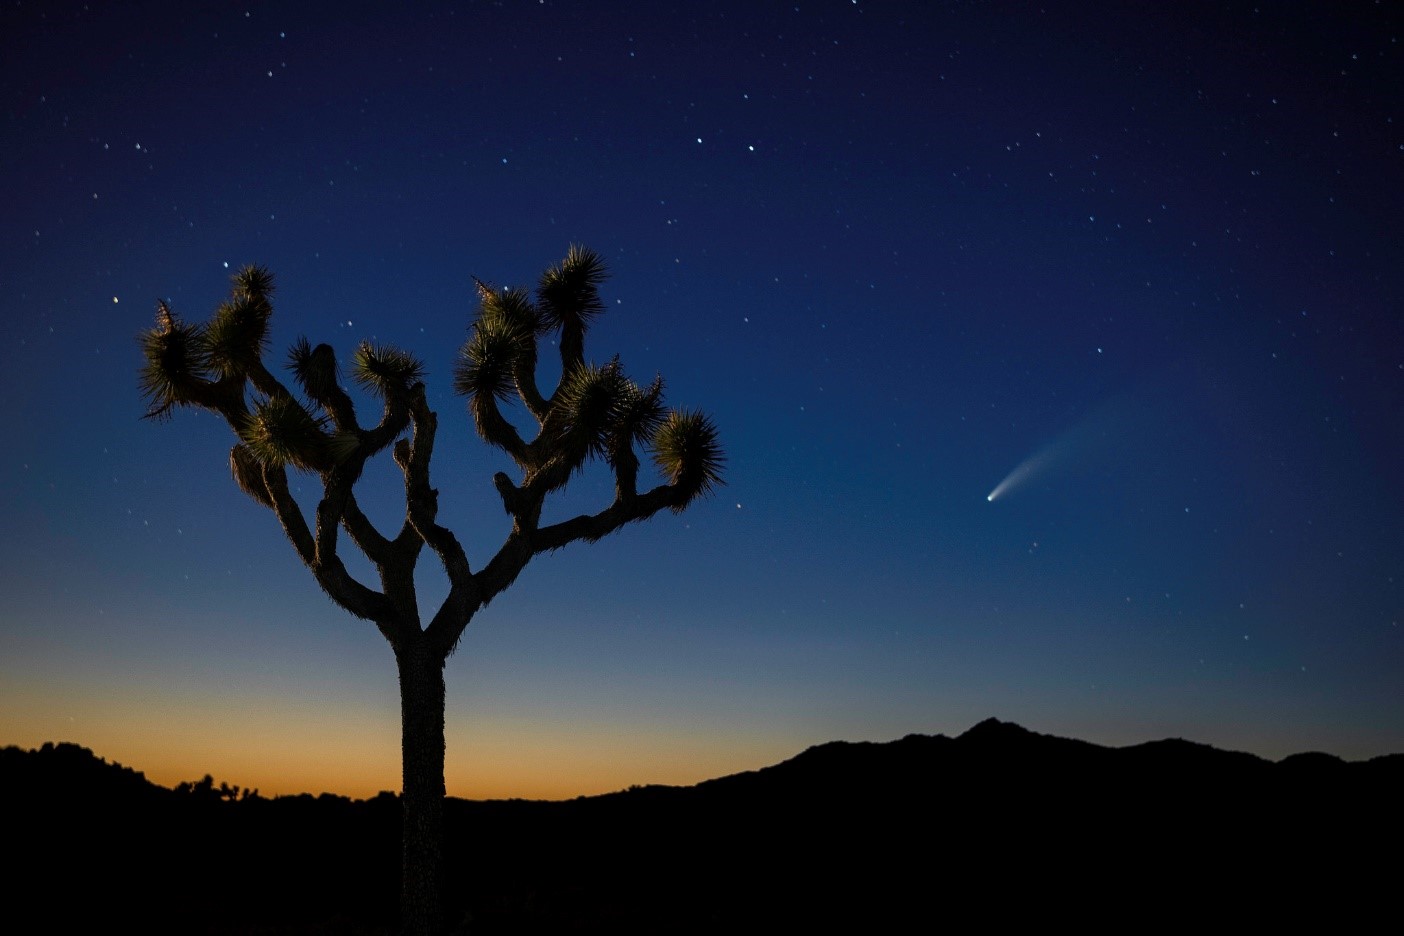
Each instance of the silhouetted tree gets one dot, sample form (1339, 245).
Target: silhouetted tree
(594, 412)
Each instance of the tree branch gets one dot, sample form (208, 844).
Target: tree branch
(596, 526)
(264, 382)
(524, 376)
(503, 569)
(521, 545)
(289, 514)
(327, 565)
(393, 421)
(317, 373)
(494, 428)
(364, 534)
(422, 508)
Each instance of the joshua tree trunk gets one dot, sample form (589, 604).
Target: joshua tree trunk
(422, 800)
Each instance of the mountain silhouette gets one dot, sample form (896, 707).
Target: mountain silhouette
(998, 826)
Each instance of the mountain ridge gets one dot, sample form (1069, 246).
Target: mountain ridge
(860, 834)
(988, 738)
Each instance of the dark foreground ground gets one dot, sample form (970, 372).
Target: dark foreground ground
(998, 827)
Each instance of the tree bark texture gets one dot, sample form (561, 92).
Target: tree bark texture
(422, 799)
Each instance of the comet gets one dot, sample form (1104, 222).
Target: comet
(1035, 464)
(1094, 437)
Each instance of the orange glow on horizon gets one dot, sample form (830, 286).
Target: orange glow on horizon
(292, 749)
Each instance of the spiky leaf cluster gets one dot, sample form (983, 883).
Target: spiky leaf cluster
(499, 358)
(640, 413)
(569, 293)
(384, 370)
(280, 432)
(595, 411)
(688, 453)
(315, 369)
(237, 337)
(589, 405)
(513, 309)
(253, 283)
(176, 361)
(503, 338)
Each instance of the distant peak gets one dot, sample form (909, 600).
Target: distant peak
(994, 728)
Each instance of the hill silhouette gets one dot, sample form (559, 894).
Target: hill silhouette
(998, 826)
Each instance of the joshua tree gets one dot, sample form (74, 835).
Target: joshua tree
(595, 412)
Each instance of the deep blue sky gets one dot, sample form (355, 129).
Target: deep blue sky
(897, 250)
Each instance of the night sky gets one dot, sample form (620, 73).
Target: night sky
(1141, 260)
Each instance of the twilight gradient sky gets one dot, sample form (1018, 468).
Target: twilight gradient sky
(1150, 251)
